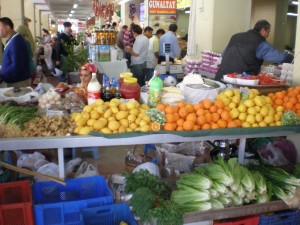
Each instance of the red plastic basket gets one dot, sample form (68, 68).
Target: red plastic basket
(246, 220)
(16, 204)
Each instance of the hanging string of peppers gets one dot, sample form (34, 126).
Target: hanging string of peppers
(105, 10)
(132, 10)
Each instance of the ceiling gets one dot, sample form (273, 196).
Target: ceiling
(60, 9)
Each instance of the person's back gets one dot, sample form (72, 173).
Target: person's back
(15, 64)
(247, 51)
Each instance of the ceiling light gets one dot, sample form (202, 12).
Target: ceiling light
(72, 11)
(89, 18)
(187, 12)
(292, 14)
(70, 14)
(75, 6)
(295, 2)
(123, 1)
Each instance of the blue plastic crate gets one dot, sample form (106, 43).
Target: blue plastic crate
(108, 215)
(56, 204)
(287, 217)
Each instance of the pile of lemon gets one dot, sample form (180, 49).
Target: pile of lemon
(254, 111)
(112, 117)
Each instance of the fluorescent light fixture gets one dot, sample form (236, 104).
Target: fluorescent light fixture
(72, 11)
(75, 6)
(187, 12)
(292, 14)
(295, 2)
(70, 14)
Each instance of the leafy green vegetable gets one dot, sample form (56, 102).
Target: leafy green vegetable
(156, 116)
(289, 118)
(196, 181)
(195, 206)
(188, 194)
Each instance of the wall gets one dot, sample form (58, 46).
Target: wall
(44, 21)
(230, 17)
(290, 33)
(182, 22)
(29, 13)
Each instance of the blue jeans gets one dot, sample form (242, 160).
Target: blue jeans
(138, 71)
(149, 73)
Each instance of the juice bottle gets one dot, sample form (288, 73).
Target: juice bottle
(93, 90)
(122, 76)
(131, 89)
(155, 90)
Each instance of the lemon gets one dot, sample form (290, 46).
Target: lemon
(146, 118)
(145, 128)
(228, 93)
(155, 126)
(250, 119)
(279, 108)
(113, 104)
(258, 117)
(130, 105)
(234, 113)
(99, 102)
(124, 123)
(278, 123)
(128, 129)
(77, 117)
(141, 110)
(262, 124)
(101, 109)
(87, 108)
(236, 99)
(242, 116)
(95, 115)
(232, 105)
(99, 124)
(134, 112)
(251, 111)
(257, 108)
(74, 115)
(249, 103)
(246, 124)
(113, 125)
(114, 109)
(111, 118)
(85, 130)
(131, 118)
(133, 126)
(255, 125)
(269, 119)
(122, 129)
(271, 112)
(81, 122)
(138, 120)
(107, 113)
(122, 107)
(77, 129)
(105, 130)
(144, 106)
(143, 123)
(242, 108)
(90, 122)
(121, 115)
(85, 115)
(264, 111)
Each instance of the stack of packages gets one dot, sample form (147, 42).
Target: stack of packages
(210, 61)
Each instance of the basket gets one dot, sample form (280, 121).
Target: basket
(16, 204)
(61, 205)
(287, 217)
(130, 160)
(5, 175)
(108, 215)
(245, 220)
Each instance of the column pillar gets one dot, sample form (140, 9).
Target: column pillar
(13, 10)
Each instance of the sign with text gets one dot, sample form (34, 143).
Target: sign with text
(162, 6)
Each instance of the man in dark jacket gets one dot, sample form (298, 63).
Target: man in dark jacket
(15, 69)
(64, 39)
(246, 52)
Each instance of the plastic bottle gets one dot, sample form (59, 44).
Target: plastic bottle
(118, 94)
(122, 76)
(93, 90)
(107, 95)
(155, 90)
(131, 89)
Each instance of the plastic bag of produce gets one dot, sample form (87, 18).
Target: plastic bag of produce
(272, 155)
(18, 95)
(50, 169)
(86, 170)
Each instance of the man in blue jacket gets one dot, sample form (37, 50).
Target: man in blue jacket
(15, 69)
(247, 51)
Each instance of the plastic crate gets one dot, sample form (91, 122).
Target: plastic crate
(61, 205)
(108, 215)
(245, 220)
(16, 204)
(287, 217)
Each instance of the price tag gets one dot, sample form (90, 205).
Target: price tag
(54, 113)
(127, 100)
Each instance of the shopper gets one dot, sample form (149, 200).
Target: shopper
(15, 69)
(120, 37)
(64, 40)
(31, 46)
(153, 55)
(169, 37)
(46, 36)
(138, 54)
(128, 40)
(247, 51)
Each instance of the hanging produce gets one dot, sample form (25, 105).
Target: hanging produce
(105, 11)
(132, 11)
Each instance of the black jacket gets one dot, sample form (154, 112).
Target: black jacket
(240, 54)
(63, 40)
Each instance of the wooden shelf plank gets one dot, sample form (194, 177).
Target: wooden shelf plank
(233, 212)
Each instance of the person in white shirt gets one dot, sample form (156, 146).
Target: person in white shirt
(153, 53)
(138, 54)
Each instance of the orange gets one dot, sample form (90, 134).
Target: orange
(238, 122)
(188, 125)
(191, 117)
(183, 113)
(200, 112)
(297, 106)
(293, 100)
(189, 107)
(225, 115)
(179, 128)
(213, 109)
(180, 122)
(227, 108)
(206, 126)
(180, 104)
(289, 105)
(169, 109)
(155, 126)
(196, 127)
(161, 107)
(176, 116)
(222, 123)
(219, 103)
(214, 126)
(170, 126)
(279, 94)
(209, 117)
(175, 108)
(216, 117)
(231, 124)
(220, 111)
(206, 103)
(199, 105)
(278, 101)
(201, 120)
(285, 98)
(170, 118)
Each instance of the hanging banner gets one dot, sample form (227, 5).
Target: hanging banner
(162, 6)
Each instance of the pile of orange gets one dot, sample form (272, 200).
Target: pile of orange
(289, 99)
(201, 116)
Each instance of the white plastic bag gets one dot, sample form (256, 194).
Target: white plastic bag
(47, 55)
(86, 170)
(50, 169)
(26, 98)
